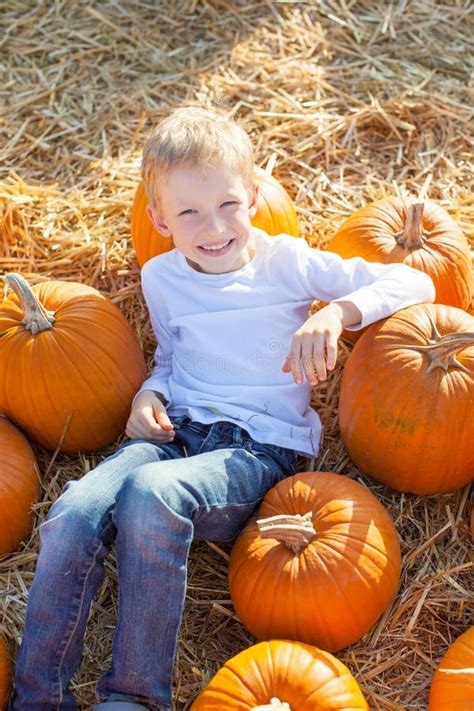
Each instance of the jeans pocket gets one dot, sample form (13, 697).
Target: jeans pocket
(185, 422)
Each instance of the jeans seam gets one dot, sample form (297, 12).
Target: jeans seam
(77, 616)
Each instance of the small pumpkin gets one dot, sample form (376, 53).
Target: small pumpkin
(405, 406)
(275, 214)
(420, 234)
(5, 675)
(452, 688)
(73, 364)
(320, 564)
(19, 487)
(281, 676)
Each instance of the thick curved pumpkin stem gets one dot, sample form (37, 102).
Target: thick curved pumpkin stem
(37, 318)
(442, 350)
(412, 235)
(274, 704)
(294, 531)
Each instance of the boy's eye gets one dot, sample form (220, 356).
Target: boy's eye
(190, 211)
(229, 202)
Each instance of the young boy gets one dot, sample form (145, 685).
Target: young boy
(218, 422)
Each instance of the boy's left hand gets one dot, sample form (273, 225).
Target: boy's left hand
(314, 345)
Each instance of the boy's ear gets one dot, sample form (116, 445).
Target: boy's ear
(158, 221)
(253, 200)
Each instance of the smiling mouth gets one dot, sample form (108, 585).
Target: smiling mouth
(218, 248)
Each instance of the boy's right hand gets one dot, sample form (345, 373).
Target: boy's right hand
(148, 419)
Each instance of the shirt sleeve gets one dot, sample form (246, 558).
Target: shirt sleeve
(158, 378)
(377, 290)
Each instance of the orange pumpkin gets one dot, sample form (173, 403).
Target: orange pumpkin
(73, 364)
(422, 235)
(405, 407)
(281, 675)
(5, 675)
(320, 565)
(275, 214)
(19, 487)
(452, 688)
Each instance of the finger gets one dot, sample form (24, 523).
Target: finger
(308, 361)
(294, 362)
(319, 357)
(161, 416)
(286, 365)
(162, 419)
(147, 420)
(331, 350)
(142, 432)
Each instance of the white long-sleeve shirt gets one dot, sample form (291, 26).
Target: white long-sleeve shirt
(223, 338)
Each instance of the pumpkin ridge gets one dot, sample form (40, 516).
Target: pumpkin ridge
(117, 337)
(349, 603)
(6, 530)
(330, 680)
(104, 359)
(53, 405)
(384, 214)
(21, 389)
(103, 370)
(14, 513)
(270, 661)
(341, 555)
(269, 212)
(275, 582)
(19, 488)
(312, 593)
(267, 562)
(316, 689)
(67, 360)
(234, 693)
(44, 354)
(366, 544)
(258, 672)
(338, 587)
(293, 595)
(452, 423)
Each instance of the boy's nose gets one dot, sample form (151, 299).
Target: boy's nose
(214, 225)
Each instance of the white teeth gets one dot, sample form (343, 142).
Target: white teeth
(215, 249)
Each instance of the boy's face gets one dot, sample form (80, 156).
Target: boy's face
(207, 212)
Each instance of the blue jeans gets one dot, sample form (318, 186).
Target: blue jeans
(152, 500)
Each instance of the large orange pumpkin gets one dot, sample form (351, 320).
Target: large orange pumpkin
(5, 675)
(320, 565)
(275, 214)
(406, 401)
(73, 364)
(19, 487)
(281, 675)
(452, 688)
(421, 235)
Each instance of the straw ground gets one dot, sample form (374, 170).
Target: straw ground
(346, 101)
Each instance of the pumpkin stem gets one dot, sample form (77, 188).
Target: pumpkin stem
(442, 350)
(294, 531)
(412, 235)
(274, 704)
(37, 318)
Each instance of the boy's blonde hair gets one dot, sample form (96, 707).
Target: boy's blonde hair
(197, 137)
